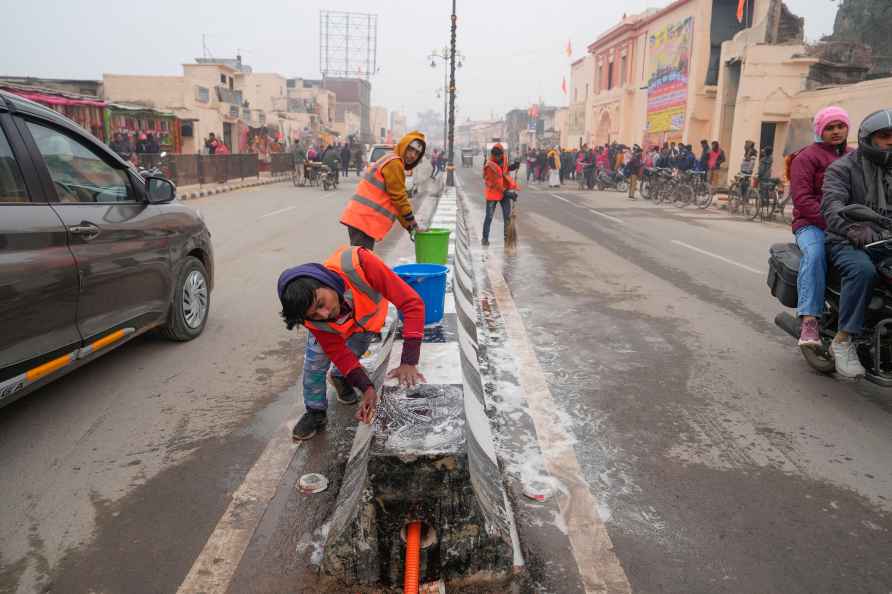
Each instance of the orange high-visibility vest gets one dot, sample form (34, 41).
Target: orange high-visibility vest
(371, 210)
(491, 193)
(369, 306)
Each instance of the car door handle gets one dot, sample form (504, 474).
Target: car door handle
(85, 230)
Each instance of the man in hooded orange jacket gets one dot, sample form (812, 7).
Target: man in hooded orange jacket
(496, 182)
(381, 197)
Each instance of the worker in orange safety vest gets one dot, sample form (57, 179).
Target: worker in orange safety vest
(497, 181)
(381, 197)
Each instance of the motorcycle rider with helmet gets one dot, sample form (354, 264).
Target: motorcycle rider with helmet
(864, 176)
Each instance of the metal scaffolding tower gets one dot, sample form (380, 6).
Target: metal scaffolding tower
(348, 44)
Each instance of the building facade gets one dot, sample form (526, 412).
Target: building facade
(654, 75)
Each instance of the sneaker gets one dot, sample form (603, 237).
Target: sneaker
(311, 423)
(484, 243)
(845, 355)
(810, 336)
(346, 393)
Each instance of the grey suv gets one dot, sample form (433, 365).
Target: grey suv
(91, 253)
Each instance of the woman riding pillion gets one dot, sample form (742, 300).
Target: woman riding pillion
(831, 126)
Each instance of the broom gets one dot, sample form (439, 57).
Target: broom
(511, 231)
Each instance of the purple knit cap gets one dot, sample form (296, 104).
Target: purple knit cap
(828, 115)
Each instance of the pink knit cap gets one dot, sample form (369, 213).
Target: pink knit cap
(828, 115)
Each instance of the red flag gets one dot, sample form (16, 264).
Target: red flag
(569, 50)
(741, 4)
(564, 85)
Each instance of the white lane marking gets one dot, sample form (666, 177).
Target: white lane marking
(591, 210)
(606, 216)
(275, 212)
(717, 257)
(215, 566)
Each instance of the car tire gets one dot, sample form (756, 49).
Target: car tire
(191, 302)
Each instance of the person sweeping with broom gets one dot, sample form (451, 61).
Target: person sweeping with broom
(498, 190)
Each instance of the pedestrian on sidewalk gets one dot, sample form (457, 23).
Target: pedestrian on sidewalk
(497, 183)
(554, 165)
(381, 198)
(716, 158)
(343, 303)
(634, 167)
(345, 160)
(807, 169)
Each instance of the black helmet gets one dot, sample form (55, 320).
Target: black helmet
(878, 120)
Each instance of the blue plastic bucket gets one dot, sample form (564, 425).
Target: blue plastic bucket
(429, 281)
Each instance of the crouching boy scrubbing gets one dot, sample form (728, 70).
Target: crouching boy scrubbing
(343, 304)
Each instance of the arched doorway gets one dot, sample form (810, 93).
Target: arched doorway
(602, 135)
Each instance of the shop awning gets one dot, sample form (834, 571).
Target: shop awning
(57, 99)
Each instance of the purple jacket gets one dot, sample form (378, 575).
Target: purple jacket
(806, 181)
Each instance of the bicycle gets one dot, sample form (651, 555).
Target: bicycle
(739, 196)
(703, 194)
(684, 190)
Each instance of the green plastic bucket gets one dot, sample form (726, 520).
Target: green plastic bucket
(432, 246)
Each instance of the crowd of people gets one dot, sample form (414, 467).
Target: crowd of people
(131, 144)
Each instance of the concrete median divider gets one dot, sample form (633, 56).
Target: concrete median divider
(429, 457)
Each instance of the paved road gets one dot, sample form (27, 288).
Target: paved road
(113, 477)
(719, 460)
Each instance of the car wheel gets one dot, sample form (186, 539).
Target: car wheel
(191, 302)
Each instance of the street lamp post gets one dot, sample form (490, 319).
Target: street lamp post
(448, 57)
(450, 167)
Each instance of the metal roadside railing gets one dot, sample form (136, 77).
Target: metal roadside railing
(187, 170)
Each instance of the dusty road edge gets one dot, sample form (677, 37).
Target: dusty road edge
(596, 559)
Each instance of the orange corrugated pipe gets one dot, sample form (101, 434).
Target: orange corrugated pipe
(413, 558)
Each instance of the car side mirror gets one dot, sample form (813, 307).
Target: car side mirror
(160, 190)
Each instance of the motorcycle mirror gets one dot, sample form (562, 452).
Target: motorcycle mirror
(163, 154)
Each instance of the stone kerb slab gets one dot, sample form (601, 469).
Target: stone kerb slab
(429, 456)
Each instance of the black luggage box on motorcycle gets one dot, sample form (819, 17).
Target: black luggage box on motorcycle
(783, 269)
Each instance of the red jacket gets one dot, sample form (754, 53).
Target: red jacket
(393, 289)
(806, 180)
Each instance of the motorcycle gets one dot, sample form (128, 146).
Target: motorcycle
(155, 170)
(612, 180)
(875, 344)
(329, 179)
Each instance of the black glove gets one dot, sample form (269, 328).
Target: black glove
(859, 235)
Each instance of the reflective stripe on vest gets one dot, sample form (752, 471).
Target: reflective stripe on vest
(358, 284)
(353, 275)
(492, 193)
(371, 209)
(374, 206)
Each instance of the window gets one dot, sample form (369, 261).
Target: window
(202, 94)
(624, 63)
(586, 91)
(78, 174)
(223, 79)
(610, 76)
(12, 188)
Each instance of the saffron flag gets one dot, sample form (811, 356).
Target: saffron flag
(564, 85)
(569, 50)
(741, 4)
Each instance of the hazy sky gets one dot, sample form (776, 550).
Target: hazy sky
(514, 51)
